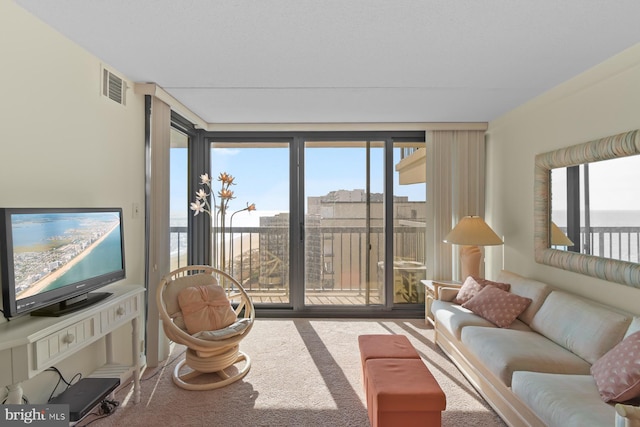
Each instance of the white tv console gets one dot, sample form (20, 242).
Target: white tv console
(29, 344)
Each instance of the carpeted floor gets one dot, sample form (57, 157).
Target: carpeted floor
(305, 372)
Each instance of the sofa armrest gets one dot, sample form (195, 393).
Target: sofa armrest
(627, 415)
(445, 291)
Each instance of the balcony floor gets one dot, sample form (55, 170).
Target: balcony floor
(316, 298)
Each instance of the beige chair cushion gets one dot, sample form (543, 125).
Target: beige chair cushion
(236, 328)
(173, 288)
(205, 308)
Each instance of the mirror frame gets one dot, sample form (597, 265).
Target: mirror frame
(621, 145)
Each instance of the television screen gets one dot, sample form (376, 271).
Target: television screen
(52, 255)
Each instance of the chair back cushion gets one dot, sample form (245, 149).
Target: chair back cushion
(205, 308)
(173, 288)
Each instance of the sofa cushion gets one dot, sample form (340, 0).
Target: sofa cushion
(617, 373)
(633, 327)
(528, 288)
(497, 306)
(563, 400)
(504, 351)
(453, 318)
(583, 327)
(473, 285)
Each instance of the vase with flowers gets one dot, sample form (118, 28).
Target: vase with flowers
(217, 209)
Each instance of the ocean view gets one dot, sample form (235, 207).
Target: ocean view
(53, 250)
(617, 244)
(104, 258)
(614, 218)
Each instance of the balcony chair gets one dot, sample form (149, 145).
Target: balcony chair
(193, 303)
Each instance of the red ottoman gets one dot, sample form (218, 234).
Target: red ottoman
(384, 347)
(402, 392)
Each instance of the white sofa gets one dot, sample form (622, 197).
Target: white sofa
(536, 372)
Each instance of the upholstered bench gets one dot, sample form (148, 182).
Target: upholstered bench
(384, 347)
(402, 392)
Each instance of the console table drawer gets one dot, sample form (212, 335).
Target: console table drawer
(119, 313)
(57, 345)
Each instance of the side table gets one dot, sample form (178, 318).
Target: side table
(432, 292)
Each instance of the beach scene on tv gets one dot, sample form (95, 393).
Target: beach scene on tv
(56, 249)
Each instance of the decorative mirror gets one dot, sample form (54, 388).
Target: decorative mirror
(565, 235)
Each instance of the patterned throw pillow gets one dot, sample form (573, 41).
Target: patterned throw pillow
(473, 285)
(617, 373)
(497, 306)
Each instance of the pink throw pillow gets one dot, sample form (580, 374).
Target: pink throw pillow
(473, 285)
(486, 282)
(497, 306)
(617, 373)
(205, 308)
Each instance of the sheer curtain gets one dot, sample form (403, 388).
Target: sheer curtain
(456, 171)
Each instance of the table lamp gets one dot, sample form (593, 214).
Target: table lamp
(470, 233)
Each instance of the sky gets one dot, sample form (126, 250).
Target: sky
(613, 185)
(262, 177)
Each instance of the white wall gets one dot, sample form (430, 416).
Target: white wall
(602, 101)
(62, 143)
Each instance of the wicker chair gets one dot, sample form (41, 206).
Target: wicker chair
(210, 351)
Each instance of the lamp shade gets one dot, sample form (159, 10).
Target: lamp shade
(558, 238)
(473, 231)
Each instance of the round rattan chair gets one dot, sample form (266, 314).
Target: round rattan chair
(208, 351)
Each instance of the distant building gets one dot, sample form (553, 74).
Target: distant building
(336, 241)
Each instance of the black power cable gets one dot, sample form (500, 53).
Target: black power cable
(61, 378)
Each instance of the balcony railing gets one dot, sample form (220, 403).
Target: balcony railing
(336, 260)
(335, 256)
(622, 243)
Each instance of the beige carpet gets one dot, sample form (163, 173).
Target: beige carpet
(305, 372)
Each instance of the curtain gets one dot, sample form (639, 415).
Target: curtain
(456, 170)
(158, 236)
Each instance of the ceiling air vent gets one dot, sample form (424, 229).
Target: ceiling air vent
(113, 87)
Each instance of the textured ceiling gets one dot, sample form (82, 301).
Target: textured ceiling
(288, 61)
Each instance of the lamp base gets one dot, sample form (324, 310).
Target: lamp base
(470, 257)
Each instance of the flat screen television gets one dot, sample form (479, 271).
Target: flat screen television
(51, 260)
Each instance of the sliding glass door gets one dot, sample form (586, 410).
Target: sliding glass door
(344, 238)
(250, 235)
(409, 224)
(334, 227)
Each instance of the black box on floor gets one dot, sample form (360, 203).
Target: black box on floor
(85, 394)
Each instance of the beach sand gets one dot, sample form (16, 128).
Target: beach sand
(42, 284)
